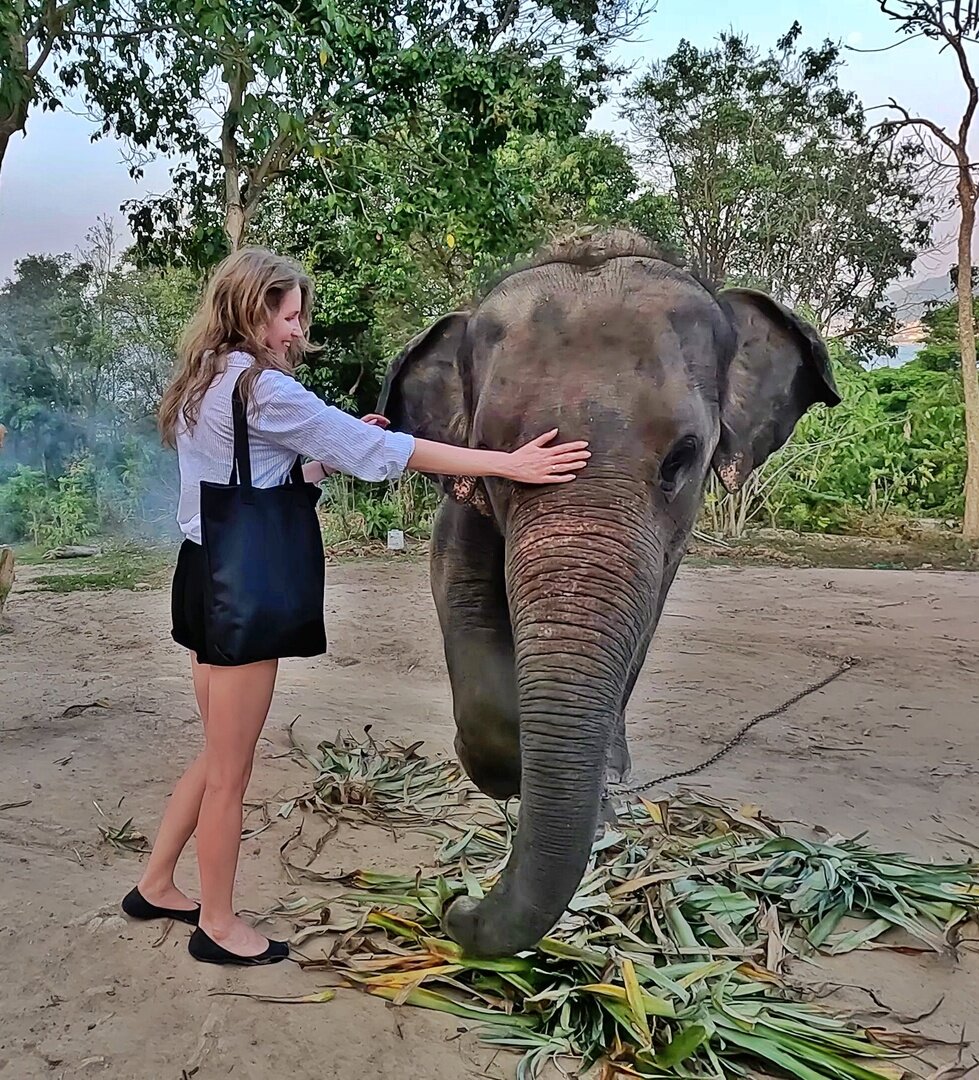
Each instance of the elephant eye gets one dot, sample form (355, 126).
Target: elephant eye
(682, 455)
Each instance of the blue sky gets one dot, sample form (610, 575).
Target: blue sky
(56, 182)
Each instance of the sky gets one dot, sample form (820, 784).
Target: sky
(56, 182)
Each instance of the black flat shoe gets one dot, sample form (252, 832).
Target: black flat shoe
(202, 948)
(136, 907)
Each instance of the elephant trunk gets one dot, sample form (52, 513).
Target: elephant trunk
(583, 565)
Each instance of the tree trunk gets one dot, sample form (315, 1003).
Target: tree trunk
(234, 210)
(967, 348)
(13, 120)
(234, 225)
(16, 85)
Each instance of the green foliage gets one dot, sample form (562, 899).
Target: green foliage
(390, 259)
(779, 182)
(941, 350)
(73, 506)
(895, 446)
(103, 491)
(85, 346)
(35, 35)
(315, 89)
(405, 153)
(63, 511)
(24, 499)
(125, 567)
(352, 511)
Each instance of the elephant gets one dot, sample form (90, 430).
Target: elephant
(548, 597)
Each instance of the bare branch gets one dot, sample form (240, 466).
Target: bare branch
(51, 16)
(885, 48)
(49, 25)
(907, 120)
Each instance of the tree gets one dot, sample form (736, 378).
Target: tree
(33, 34)
(941, 350)
(429, 230)
(245, 92)
(41, 318)
(953, 29)
(86, 344)
(778, 182)
(81, 355)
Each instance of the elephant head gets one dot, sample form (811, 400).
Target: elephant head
(606, 340)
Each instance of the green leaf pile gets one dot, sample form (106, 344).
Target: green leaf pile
(669, 959)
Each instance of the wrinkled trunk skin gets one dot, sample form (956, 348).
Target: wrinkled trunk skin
(583, 571)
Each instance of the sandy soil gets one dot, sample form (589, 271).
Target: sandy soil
(892, 748)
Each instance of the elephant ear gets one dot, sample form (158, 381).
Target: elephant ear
(780, 368)
(422, 392)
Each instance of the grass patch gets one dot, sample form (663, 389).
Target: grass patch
(770, 547)
(122, 568)
(28, 554)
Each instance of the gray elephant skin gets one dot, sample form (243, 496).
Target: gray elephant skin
(548, 597)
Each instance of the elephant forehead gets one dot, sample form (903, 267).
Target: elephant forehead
(616, 324)
(594, 361)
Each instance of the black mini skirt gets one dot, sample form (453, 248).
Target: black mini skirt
(187, 601)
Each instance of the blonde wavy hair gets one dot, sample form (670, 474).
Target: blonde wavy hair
(243, 294)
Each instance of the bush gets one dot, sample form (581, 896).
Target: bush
(895, 446)
(352, 511)
(65, 511)
(24, 505)
(74, 514)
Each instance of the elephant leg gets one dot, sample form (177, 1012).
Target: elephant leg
(618, 761)
(470, 596)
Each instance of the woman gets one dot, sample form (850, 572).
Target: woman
(251, 331)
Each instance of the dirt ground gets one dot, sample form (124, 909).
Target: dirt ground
(891, 748)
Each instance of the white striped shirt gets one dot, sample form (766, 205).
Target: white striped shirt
(288, 420)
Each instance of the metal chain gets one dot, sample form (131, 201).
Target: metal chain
(845, 665)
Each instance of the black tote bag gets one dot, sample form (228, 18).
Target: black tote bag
(263, 595)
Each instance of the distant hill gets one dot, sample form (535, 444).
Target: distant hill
(911, 298)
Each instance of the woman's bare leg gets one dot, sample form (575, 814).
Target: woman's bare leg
(238, 703)
(179, 818)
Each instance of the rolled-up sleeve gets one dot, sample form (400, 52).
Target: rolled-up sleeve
(291, 415)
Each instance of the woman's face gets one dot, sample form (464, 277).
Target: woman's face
(285, 327)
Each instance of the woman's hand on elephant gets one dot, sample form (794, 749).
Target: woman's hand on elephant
(538, 463)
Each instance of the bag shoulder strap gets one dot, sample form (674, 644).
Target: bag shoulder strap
(241, 466)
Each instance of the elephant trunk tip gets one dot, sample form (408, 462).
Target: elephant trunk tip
(478, 936)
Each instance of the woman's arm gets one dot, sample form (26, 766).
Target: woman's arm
(533, 463)
(293, 417)
(298, 419)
